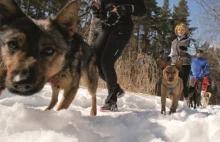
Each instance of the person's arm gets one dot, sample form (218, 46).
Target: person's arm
(135, 8)
(191, 49)
(171, 52)
(194, 68)
(205, 69)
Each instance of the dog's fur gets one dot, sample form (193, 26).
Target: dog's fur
(205, 97)
(34, 52)
(170, 79)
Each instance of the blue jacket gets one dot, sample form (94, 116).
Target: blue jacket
(199, 68)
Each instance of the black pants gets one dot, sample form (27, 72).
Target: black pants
(108, 47)
(184, 75)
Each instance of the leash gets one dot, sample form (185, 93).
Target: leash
(171, 89)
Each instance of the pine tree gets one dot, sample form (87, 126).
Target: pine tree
(165, 33)
(149, 22)
(181, 13)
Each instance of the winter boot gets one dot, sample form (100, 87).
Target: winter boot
(110, 106)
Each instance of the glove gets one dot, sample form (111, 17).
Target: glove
(184, 48)
(168, 58)
(124, 9)
(95, 7)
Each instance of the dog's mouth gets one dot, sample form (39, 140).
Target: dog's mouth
(171, 79)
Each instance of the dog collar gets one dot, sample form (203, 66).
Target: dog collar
(172, 88)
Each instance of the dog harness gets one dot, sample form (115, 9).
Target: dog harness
(171, 89)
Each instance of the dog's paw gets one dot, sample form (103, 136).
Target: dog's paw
(163, 112)
(93, 113)
(172, 111)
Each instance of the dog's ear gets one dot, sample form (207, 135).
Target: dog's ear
(9, 11)
(179, 64)
(67, 18)
(161, 64)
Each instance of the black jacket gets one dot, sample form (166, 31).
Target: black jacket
(127, 7)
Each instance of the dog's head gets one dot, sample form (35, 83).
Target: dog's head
(170, 72)
(34, 51)
(207, 97)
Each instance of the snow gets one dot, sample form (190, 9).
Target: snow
(23, 119)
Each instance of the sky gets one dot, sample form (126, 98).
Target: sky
(208, 29)
(23, 119)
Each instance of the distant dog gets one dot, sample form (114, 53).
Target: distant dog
(205, 97)
(35, 52)
(171, 85)
(194, 94)
(192, 97)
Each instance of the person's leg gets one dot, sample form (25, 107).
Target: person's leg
(113, 49)
(98, 48)
(184, 75)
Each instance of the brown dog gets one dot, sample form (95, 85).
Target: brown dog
(171, 85)
(34, 52)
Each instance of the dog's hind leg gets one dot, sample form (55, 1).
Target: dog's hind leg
(54, 99)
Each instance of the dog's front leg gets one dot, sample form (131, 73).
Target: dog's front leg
(54, 99)
(163, 104)
(68, 97)
(174, 102)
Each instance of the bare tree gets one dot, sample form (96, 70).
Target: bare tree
(209, 19)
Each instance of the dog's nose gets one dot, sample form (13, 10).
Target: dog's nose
(24, 81)
(23, 87)
(171, 79)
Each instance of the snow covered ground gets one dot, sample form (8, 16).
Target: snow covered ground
(23, 119)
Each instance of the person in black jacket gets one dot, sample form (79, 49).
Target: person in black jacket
(117, 26)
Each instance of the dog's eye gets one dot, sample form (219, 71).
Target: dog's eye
(13, 45)
(49, 51)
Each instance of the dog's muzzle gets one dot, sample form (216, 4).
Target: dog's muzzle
(24, 82)
(171, 79)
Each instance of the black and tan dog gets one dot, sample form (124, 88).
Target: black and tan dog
(171, 85)
(34, 52)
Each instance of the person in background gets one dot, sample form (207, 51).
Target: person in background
(183, 47)
(199, 70)
(117, 26)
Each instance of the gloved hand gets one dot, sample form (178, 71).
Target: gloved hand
(184, 48)
(124, 9)
(94, 5)
(168, 58)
